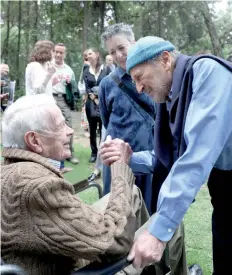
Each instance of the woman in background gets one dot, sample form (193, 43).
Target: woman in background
(92, 78)
(40, 70)
(81, 87)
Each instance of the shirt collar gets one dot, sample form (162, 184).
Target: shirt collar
(55, 163)
(120, 72)
(59, 66)
(98, 73)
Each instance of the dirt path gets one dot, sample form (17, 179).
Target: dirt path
(78, 131)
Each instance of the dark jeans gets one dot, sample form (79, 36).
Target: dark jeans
(220, 189)
(93, 123)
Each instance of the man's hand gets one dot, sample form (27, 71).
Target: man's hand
(96, 101)
(4, 69)
(68, 79)
(146, 250)
(115, 150)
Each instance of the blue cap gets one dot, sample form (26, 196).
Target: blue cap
(145, 49)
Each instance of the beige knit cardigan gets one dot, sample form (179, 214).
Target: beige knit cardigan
(45, 227)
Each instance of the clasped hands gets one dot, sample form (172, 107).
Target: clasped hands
(146, 249)
(115, 150)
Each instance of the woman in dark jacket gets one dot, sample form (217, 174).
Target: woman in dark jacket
(92, 77)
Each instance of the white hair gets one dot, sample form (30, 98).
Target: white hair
(28, 113)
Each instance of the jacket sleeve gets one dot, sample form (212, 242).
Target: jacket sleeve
(103, 105)
(85, 78)
(71, 228)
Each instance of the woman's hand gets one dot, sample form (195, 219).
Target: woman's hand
(50, 68)
(92, 96)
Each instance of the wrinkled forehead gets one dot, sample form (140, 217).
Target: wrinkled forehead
(138, 70)
(54, 116)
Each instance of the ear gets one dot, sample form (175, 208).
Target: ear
(133, 42)
(33, 142)
(166, 60)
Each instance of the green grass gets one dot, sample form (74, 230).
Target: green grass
(197, 221)
(83, 169)
(80, 172)
(198, 236)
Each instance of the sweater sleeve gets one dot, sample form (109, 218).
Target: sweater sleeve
(68, 227)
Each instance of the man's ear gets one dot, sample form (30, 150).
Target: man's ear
(166, 60)
(133, 42)
(33, 142)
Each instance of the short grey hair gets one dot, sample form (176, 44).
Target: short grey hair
(117, 29)
(28, 113)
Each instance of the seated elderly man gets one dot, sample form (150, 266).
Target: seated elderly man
(45, 227)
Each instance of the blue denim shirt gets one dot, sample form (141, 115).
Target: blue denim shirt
(120, 116)
(124, 119)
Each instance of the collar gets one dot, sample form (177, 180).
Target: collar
(55, 163)
(98, 73)
(12, 155)
(59, 66)
(170, 96)
(120, 72)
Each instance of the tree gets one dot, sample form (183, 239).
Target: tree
(217, 49)
(35, 23)
(19, 42)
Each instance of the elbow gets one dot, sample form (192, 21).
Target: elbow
(123, 242)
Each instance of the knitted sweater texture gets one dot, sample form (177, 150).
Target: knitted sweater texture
(45, 227)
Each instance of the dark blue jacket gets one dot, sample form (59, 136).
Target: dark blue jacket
(124, 119)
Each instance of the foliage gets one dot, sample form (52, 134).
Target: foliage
(79, 25)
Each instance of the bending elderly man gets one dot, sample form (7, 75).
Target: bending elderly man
(45, 227)
(193, 142)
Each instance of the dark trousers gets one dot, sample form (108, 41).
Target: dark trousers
(93, 123)
(220, 189)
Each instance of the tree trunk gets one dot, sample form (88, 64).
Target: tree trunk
(51, 20)
(102, 15)
(35, 24)
(85, 26)
(27, 33)
(217, 49)
(5, 51)
(115, 9)
(159, 10)
(18, 44)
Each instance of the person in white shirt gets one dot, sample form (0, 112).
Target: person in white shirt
(40, 70)
(110, 62)
(62, 77)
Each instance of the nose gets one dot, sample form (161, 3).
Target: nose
(139, 87)
(70, 131)
(118, 54)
